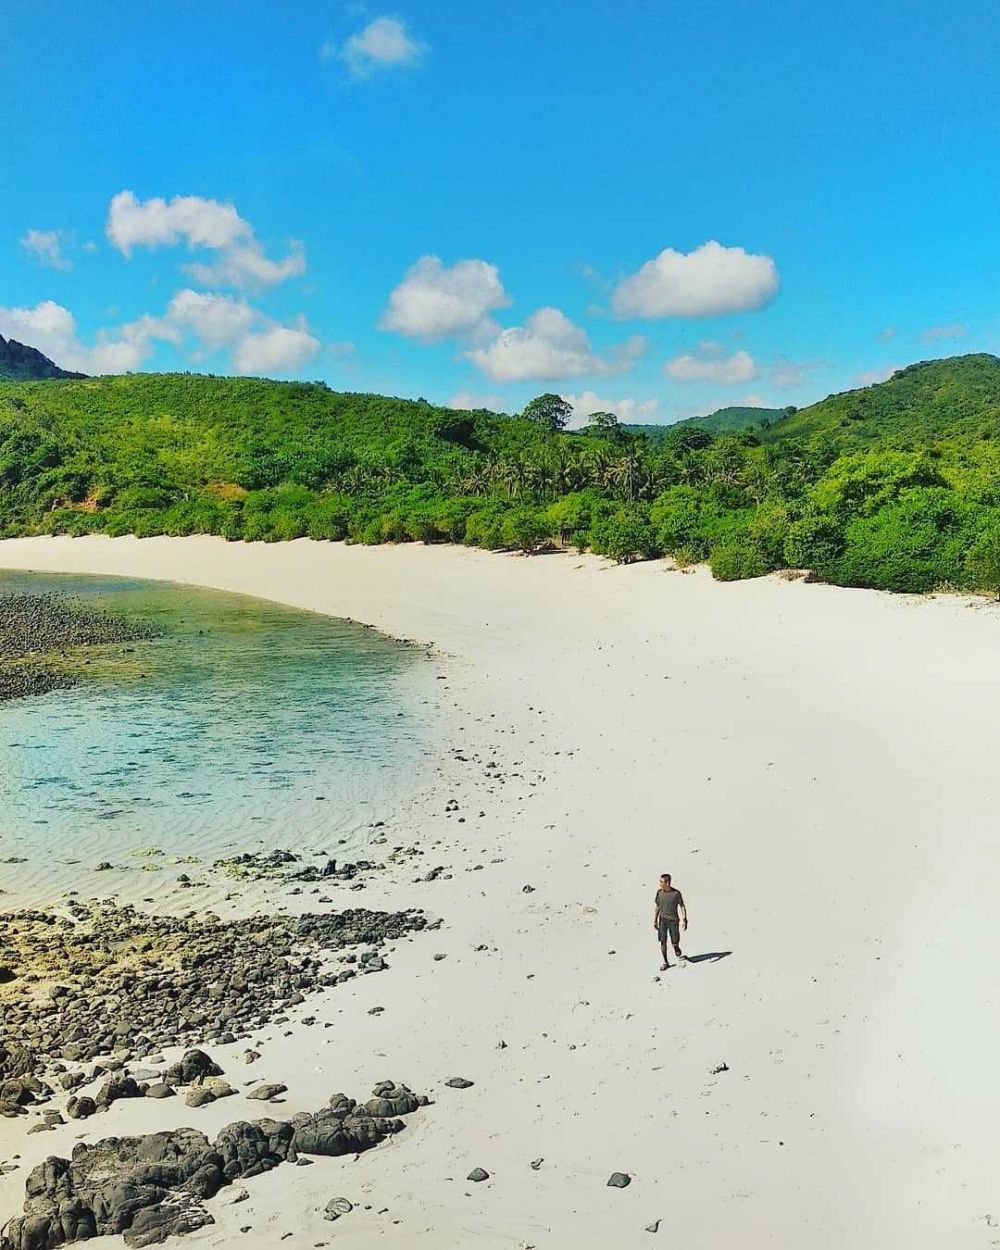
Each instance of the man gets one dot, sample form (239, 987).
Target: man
(665, 919)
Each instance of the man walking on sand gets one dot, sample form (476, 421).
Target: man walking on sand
(665, 919)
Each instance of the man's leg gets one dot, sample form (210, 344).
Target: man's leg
(675, 937)
(663, 947)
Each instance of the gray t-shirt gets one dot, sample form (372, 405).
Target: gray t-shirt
(667, 902)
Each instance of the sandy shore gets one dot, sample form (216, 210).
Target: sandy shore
(817, 769)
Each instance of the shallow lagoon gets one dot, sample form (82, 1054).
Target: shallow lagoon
(245, 725)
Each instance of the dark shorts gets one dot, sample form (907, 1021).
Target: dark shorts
(670, 929)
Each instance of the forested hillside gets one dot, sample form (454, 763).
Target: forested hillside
(905, 497)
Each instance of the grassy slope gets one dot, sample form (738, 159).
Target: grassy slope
(957, 398)
(722, 421)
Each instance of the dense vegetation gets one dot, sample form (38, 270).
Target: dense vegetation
(905, 496)
(722, 421)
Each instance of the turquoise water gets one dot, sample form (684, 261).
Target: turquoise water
(246, 725)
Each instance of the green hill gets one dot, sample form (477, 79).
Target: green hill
(935, 399)
(19, 363)
(896, 486)
(722, 421)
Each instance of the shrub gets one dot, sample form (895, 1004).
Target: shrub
(626, 535)
(525, 529)
(735, 561)
(912, 545)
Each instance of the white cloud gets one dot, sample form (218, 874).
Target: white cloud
(45, 246)
(707, 282)
(754, 400)
(466, 400)
(279, 349)
(955, 330)
(200, 223)
(547, 347)
(383, 44)
(258, 344)
(628, 411)
(434, 301)
(52, 329)
(888, 333)
(215, 320)
(786, 373)
(871, 376)
(709, 363)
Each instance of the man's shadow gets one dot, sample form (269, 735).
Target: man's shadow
(713, 956)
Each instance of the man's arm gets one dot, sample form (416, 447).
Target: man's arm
(682, 908)
(656, 914)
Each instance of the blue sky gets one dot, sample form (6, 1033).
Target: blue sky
(655, 207)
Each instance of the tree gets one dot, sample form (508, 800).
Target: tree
(551, 412)
(604, 425)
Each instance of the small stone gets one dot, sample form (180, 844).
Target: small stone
(536, 1164)
(477, 1175)
(459, 1082)
(264, 1093)
(654, 1227)
(619, 1180)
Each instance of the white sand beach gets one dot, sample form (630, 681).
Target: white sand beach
(817, 769)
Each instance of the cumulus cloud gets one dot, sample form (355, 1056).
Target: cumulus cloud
(710, 363)
(208, 322)
(434, 301)
(466, 400)
(547, 347)
(628, 411)
(45, 246)
(215, 320)
(279, 349)
(200, 223)
(880, 374)
(933, 334)
(257, 343)
(385, 43)
(786, 373)
(52, 329)
(707, 282)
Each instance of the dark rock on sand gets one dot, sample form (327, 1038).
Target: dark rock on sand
(154, 1187)
(619, 1180)
(478, 1174)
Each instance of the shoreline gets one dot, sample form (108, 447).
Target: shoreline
(812, 764)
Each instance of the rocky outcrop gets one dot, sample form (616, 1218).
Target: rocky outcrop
(153, 1187)
(21, 363)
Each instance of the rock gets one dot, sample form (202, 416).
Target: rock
(81, 1108)
(722, 1067)
(7, 974)
(194, 1066)
(153, 1187)
(478, 1174)
(536, 1164)
(619, 1180)
(264, 1093)
(116, 1087)
(652, 1228)
(160, 1090)
(459, 1082)
(199, 1096)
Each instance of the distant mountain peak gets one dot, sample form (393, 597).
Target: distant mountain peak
(21, 363)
